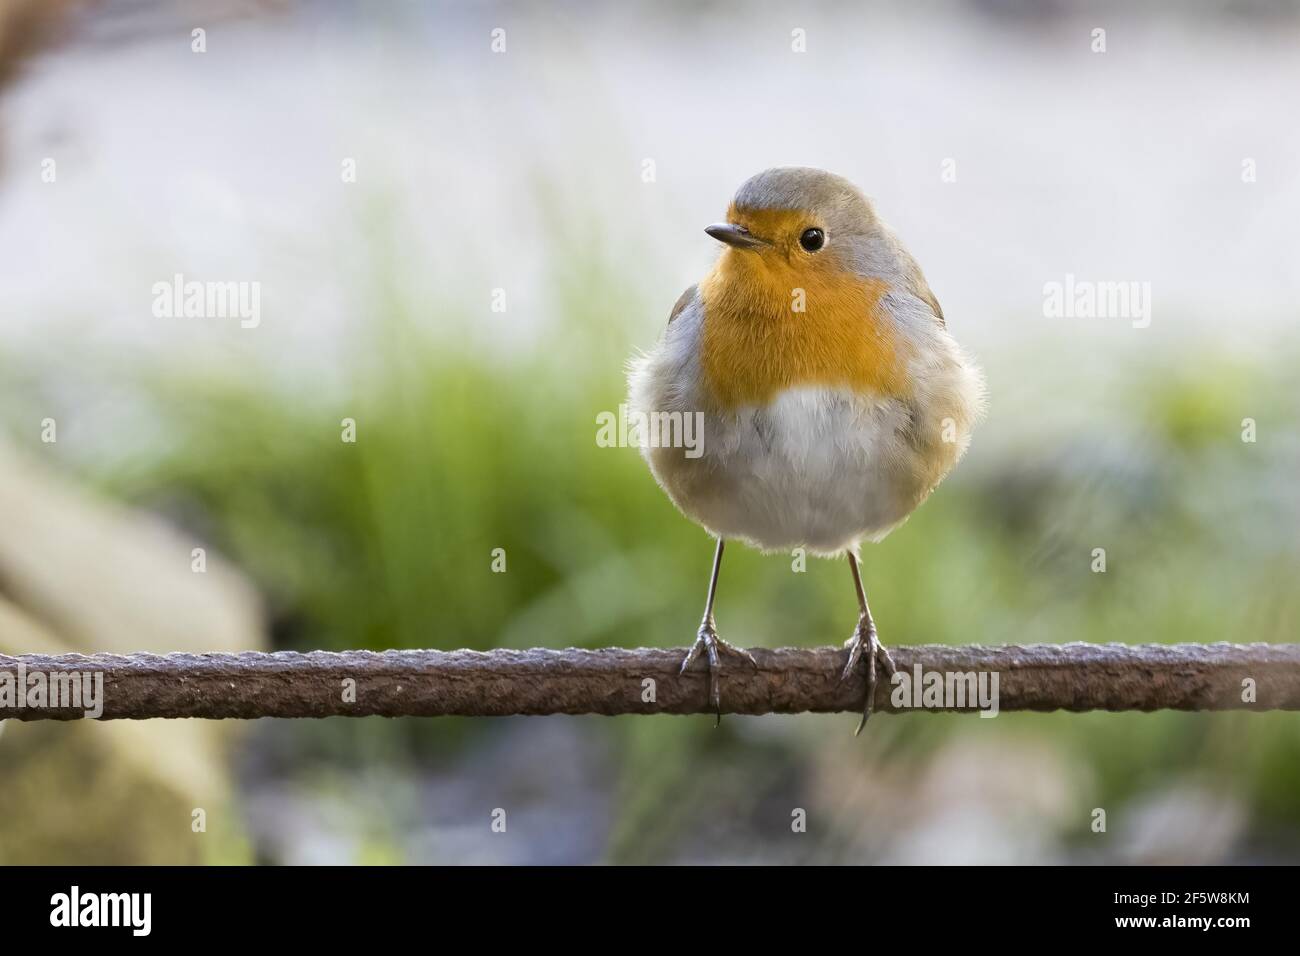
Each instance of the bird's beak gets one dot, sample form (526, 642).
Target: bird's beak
(733, 235)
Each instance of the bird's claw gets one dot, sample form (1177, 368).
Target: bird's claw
(865, 637)
(708, 642)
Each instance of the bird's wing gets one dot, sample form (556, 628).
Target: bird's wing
(917, 285)
(922, 292)
(682, 302)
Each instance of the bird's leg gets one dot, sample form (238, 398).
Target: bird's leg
(865, 644)
(707, 640)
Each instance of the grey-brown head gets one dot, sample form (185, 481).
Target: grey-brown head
(795, 208)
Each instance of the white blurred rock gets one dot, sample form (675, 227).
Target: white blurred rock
(1183, 824)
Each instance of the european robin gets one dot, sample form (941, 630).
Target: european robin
(832, 397)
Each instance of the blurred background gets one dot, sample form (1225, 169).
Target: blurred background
(460, 236)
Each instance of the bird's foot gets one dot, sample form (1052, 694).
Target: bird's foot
(708, 642)
(865, 644)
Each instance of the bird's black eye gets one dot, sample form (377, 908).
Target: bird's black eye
(812, 240)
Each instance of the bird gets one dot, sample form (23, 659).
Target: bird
(831, 395)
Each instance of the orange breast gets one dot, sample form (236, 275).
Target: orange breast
(755, 343)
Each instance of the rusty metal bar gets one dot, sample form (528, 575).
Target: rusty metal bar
(1042, 677)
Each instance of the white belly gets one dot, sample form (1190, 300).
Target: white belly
(815, 468)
